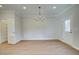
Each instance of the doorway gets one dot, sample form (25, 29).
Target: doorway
(3, 31)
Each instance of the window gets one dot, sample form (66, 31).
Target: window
(67, 25)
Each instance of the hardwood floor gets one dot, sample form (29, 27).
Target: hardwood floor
(39, 47)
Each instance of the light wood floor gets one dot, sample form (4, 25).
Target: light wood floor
(48, 47)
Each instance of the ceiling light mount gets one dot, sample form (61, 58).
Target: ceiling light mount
(54, 7)
(1, 6)
(24, 7)
(40, 17)
(39, 10)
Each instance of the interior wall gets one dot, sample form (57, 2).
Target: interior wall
(72, 37)
(14, 25)
(18, 27)
(41, 29)
(76, 27)
(67, 36)
(9, 16)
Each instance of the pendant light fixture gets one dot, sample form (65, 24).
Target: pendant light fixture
(39, 16)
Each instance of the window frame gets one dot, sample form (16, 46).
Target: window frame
(67, 25)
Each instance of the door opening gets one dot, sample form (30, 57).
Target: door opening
(3, 31)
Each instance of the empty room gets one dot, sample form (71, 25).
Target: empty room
(39, 29)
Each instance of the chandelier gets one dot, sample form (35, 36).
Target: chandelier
(39, 16)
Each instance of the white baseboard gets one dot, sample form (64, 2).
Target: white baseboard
(42, 39)
(3, 42)
(14, 42)
(70, 45)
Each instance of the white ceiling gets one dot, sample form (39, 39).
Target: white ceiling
(32, 9)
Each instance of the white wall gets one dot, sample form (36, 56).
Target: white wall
(40, 30)
(76, 27)
(14, 29)
(71, 38)
(18, 27)
(8, 15)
